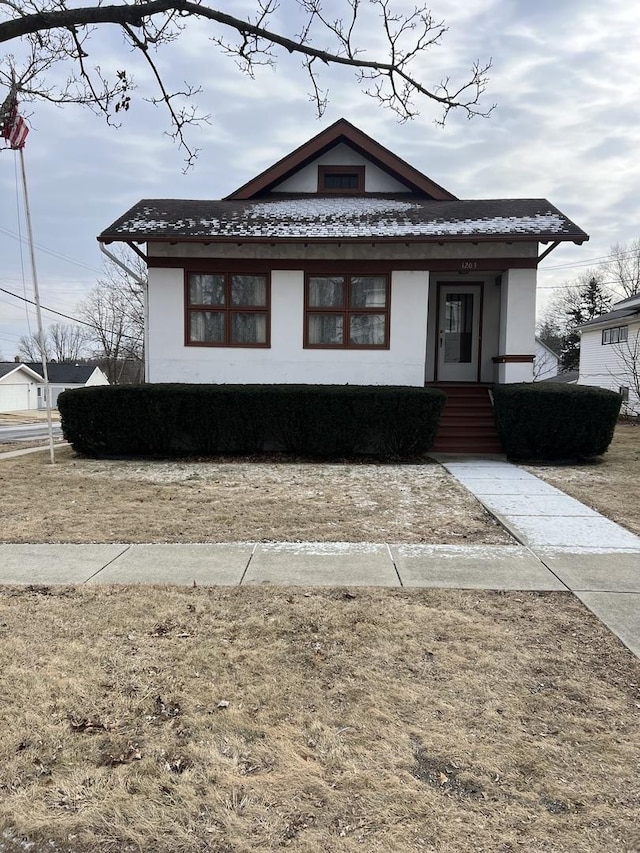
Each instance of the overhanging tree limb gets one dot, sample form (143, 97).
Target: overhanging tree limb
(56, 32)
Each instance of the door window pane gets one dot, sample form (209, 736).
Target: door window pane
(458, 325)
(367, 329)
(206, 327)
(326, 292)
(206, 289)
(326, 329)
(248, 328)
(249, 290)
(368, 291)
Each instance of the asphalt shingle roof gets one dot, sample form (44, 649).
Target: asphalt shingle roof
(610, 316)
(61, 372)
(333, 218)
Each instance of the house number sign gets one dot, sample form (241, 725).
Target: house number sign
(467, 266)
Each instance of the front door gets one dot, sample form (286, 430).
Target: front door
(458, 332)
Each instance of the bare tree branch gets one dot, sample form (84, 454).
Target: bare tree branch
(52, 33)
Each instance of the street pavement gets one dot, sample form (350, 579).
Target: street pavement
(560, 544)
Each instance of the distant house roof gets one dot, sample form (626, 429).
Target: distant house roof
(61, 373)
(628, 312)
(7, 367)
(547, 347)
(371, 217)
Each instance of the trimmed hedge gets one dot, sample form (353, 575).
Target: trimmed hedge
(543, 420)
(178, 420)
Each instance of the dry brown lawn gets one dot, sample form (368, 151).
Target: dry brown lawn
(323, 721)
(610, 484)
(82, 500)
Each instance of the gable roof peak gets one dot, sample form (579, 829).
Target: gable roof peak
(341, 131)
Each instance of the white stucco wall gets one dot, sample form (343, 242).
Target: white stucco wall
(375, 179)
(604, 365)
(286, 361)
(517, 323)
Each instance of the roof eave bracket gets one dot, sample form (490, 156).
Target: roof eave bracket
(549, 250)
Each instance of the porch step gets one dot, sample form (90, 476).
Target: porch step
(467, 424)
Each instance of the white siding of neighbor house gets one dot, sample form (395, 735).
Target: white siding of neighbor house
(18, 392)
(602, 365)
(286, 361)
(97, 378)
(306, 180)
(546, 363)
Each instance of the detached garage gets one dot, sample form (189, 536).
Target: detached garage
(20, 387)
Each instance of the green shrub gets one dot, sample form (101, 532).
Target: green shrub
(543, 420)
(327, 421)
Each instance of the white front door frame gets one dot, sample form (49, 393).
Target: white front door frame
(449, 366)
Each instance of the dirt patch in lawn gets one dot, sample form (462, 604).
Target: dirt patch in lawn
(84, 500)
(322, 721)
(609, 484)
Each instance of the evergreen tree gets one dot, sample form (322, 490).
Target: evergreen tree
(590, 301)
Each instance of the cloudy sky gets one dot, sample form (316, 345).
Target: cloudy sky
(565, 80)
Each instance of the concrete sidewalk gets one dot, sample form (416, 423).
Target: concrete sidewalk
(560, 545)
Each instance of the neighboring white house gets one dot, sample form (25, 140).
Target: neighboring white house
(546, 363)
(610, 352)
(22, 383)
(20, 387)
(64, 376)
(340, 264)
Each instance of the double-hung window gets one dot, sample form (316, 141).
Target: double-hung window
(227, 310)
(615, 335)
(347, 311)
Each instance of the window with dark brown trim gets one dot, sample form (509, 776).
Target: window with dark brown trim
(346, 312)
(341, 179)
(227, 309)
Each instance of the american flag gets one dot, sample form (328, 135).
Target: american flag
(14, 127)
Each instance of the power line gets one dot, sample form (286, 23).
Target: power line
(588, 261)
(47, 251)
(66, 316)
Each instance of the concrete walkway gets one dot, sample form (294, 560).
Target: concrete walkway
(561, 545)
(593, 557)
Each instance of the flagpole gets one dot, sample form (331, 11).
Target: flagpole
(36, 290)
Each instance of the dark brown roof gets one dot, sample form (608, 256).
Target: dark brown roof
(341, 132)
(318, 218)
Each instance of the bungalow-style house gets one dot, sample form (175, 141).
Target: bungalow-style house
(610, 352)
(342, 263)
(20, 387)
(22, 383)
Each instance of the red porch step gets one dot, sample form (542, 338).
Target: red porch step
(467, 424)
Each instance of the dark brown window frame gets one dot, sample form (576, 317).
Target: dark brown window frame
(323, 171)
(345, 310)
(227, 308)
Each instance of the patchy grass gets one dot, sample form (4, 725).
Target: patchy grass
(324, 721)
(80, 500)
(609, 484)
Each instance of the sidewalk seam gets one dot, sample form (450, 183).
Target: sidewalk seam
(393, 563)
(246, 568)
(106, 565)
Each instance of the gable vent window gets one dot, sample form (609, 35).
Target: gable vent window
(341, 179)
